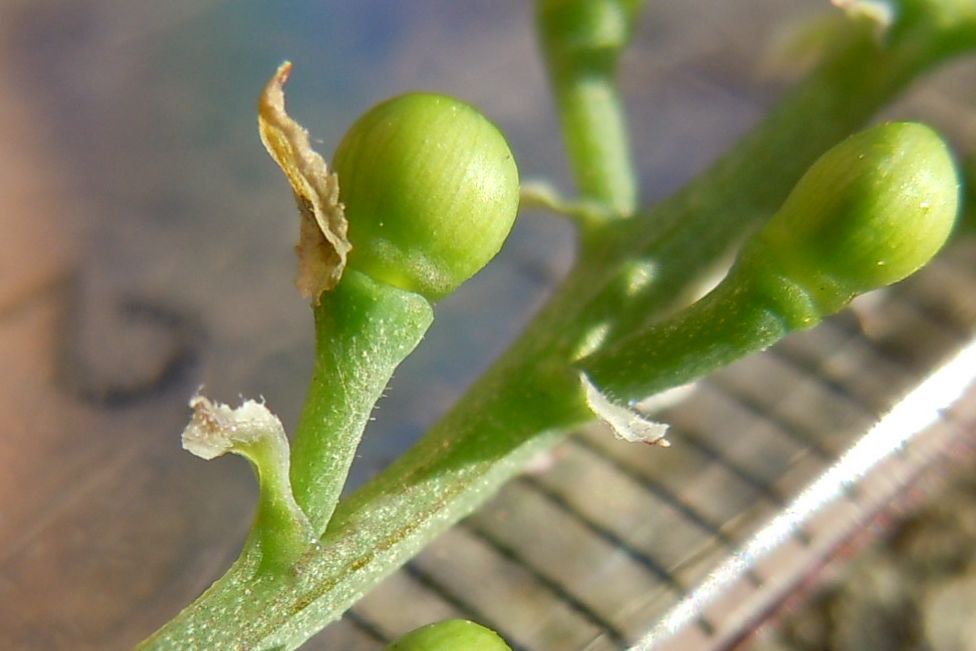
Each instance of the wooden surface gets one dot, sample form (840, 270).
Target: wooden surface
(146, 250)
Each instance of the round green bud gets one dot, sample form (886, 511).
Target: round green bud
(450, 635)
(868, 213)
(430, 190)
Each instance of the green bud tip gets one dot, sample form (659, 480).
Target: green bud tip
(430, 190)
(868, 213)
(450, 635)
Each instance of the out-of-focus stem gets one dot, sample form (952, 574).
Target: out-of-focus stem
(582, 41)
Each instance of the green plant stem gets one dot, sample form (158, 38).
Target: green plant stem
(508, 417)
(693, 232)
(363, 330)
(736, 319)
(280, 533)
(582, 41)
(520, 406)
(600, 153)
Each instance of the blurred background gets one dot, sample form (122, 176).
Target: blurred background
(147, 250)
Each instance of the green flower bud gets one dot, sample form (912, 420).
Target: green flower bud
(868, 213)
(450, 635)
(430, 190)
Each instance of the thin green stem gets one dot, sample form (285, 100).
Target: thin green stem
(363, 330)
(582, 41)
(541, 195)
(595, 134)
(729, 323)
(280, 534)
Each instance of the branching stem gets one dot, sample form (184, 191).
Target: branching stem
(531, 394)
